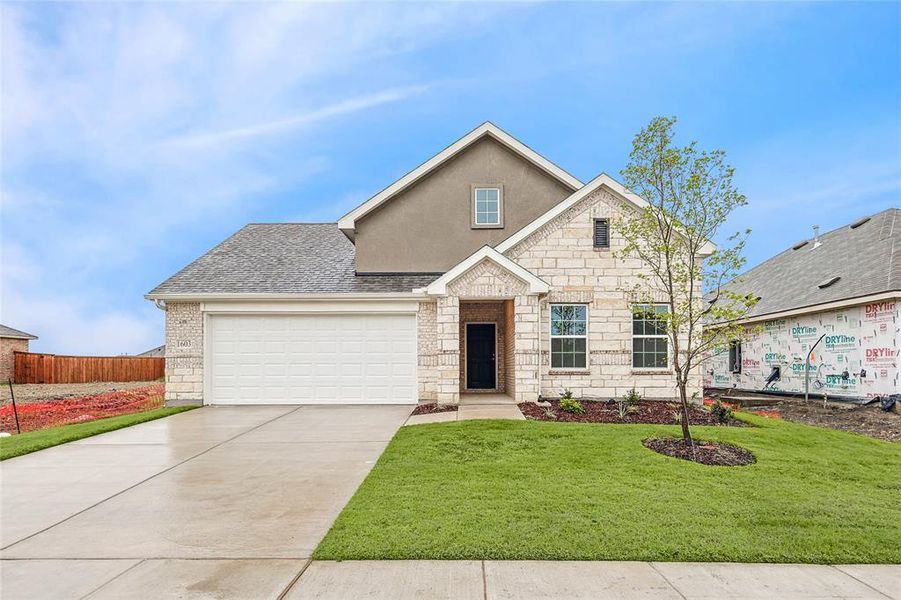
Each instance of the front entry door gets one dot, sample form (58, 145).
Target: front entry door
(481, 365)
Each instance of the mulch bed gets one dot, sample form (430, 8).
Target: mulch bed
(647, 412)
(706, 453)
(427, 409)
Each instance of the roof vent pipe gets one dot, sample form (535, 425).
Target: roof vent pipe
(816, 236)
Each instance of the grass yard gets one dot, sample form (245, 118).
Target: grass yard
(544, 490)
(33, 441)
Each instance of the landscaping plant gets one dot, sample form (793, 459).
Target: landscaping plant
(568, 404)
(721, 411)
(689, 195)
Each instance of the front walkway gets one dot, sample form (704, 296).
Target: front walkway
(474, 406)
(214, 498)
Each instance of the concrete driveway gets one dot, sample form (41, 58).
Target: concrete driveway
(215, 502)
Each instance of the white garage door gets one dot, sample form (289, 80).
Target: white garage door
(312, 359)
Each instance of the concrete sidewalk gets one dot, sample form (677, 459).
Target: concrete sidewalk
(573, 580)
(276, 579)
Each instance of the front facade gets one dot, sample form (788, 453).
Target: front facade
(11, 341)
(487, 269)
(834, 298)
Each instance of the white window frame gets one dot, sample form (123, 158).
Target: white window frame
(500, 207)
(552, 336)
(663, 336)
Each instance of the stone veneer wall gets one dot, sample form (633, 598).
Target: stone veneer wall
(8, 359)
(563, 255)
(427, 345)
(184, 353)
(448, 352)
(484, 312)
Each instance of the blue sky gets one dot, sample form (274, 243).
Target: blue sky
(136, 136)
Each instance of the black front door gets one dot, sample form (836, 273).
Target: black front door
(480, 360)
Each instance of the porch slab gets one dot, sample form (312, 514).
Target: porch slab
(479, 399)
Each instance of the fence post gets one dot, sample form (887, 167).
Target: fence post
(15, 410)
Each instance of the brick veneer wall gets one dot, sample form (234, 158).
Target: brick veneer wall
(562, 254)
(184, 353)
(484, 312)
(8, 359)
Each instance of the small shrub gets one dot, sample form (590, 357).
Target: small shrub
(721, 412)
(571, 406)
(549, 414)
(632, 396)
(566, 395)
(677, 417)
(622, 408)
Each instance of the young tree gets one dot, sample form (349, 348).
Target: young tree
(689, 195)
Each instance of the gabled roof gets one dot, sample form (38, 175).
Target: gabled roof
(439, 286)
(9, 332)
(865, 256)
(602, 180)
(347, 222)
(282, 258)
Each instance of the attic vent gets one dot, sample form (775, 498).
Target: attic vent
(799, 245)
(601, 233)
(828, 282)
(858, 223)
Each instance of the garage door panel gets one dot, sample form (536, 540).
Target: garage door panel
(312, 359)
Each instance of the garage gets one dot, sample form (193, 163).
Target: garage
(311, 359)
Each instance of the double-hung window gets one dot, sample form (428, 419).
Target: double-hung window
(649, 339)
(569, 336)
(735, 356)
(487, 207)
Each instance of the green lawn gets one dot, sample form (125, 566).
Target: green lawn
(33, 441)
(538, 490)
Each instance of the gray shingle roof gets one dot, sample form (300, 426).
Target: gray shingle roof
(285, 258)
(9, 332)
(867, 260)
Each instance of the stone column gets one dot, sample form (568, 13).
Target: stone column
(448, 370)
(525, 348)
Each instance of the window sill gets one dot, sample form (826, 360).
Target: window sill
(598, 249)
(487, 226)
(666, 371)
(570, 372)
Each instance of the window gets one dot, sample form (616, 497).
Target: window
(569, 336)
(649, 338)
(601, 233)
(735, 356)
(487, 207)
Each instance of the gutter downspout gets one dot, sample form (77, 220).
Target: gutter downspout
(160, 304)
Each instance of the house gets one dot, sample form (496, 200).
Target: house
(835, 297)
(11, 341)
(159, 351)
(487, 269)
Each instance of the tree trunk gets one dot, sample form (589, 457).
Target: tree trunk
(683, 396)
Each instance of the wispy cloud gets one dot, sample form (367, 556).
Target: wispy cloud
(344, 107)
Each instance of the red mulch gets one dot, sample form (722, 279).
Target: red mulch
(427, 409)
(706, 453)
(648, 412)
(40, 415)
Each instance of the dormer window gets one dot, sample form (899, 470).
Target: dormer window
(487, 207)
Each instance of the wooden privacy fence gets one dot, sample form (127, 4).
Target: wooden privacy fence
(32, 367)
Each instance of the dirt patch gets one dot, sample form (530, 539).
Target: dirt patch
(428, 409)
(78, 409)
(869, 420)
(707, 453)
(645, 412)
(44, 392)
